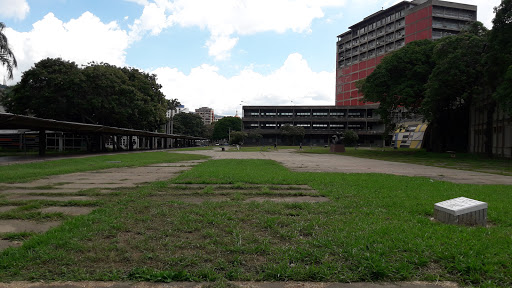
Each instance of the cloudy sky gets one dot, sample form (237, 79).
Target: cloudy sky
(215, 53)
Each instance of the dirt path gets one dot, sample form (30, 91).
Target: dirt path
(306, 162)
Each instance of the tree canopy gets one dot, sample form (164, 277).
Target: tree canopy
(292, 133)
(189, 124)
(224, 126)
(98, 93)
(438, 79)
(7, 58)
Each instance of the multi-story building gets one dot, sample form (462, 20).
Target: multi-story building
(207, 115)
(320, 123)
(361, 49)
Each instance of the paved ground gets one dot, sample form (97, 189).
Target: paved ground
(347, 164)
(71, 184)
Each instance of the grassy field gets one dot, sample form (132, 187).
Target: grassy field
(374, 228)
(36, 170)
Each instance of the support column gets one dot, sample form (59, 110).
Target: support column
(42, 142)
(130, 143)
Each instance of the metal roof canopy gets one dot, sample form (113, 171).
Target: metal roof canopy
(13, 121)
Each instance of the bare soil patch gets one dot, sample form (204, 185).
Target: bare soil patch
(6, 208)
(72, 211)
(295, 199)
(54, 198)
(8, 226)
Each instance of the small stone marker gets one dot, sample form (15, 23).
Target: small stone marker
(462, 210)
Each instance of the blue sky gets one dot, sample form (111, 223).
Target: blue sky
(215, 53)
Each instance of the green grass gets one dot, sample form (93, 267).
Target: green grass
(31, 171)
(375, 228)
(462, 161)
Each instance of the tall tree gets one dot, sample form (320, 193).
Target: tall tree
(7, 58)
(454, 84)
(225, 125)
(99, 94)
(438, 79)
(189, 124)
(399, 80)
(52, 89)
(499, 57)
(293, 134)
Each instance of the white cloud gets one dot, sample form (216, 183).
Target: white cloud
(82, 40)
(153, 19)
(140, 2)
(16, 9)
(220, 45)
(228, 19)
(204, 86)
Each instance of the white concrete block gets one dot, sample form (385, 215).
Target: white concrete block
(461, 210)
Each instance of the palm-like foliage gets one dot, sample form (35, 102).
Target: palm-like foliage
(6, 56)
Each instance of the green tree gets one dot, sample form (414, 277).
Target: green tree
(454, 84)
(99, 93)
(172, 104)
(189, 124)
(255, 135)
(237, 137)
(499, 56)
(350, 138)
(438, 79)
(293, 134)
(52, 89)
(151, 105)
(7, 58)
(224, 126)
(399, 81)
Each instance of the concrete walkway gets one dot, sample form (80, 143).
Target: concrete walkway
(306, 162)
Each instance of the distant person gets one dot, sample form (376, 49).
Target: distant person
(300, 146)
(275, 146)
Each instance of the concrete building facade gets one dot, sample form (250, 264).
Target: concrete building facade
(206, 114)
(319, 122)
(361, 49)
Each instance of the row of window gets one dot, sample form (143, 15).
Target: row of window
(308, 114)
(388, 19)
(290, 114)
(374, 43)
(308, 125)
(453, 12)
(389, 29)
(347, 61)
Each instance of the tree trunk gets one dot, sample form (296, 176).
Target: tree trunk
(489, 125)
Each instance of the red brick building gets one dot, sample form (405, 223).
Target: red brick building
(360, 50)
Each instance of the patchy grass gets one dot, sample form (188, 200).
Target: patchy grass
(374, 228)
(31, 171)
(462, 161)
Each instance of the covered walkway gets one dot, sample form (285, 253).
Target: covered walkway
(96, 135)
